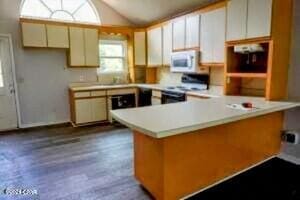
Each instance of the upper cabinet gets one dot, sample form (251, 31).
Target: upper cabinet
(213, 36)
(58, 36)
(179, 34)
(140, 48)
(259, 18)
(248, 19)
(192, 31)
(84, 50)
(77, 54)
(186, 32)
(34, 35)
(167, 44)
(154, 41)
(91, 47)
(45, 35)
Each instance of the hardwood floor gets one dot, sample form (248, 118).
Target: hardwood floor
(66, 163)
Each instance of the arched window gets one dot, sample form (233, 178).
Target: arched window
(81, 11)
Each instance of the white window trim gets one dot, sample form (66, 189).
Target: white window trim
(124, 57)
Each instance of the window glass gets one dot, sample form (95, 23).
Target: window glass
(113, 56)
(111, 50)
(62, 15)
(111, 64)
(53, 5)
(85, 14)
(35, 8)
(61, 10)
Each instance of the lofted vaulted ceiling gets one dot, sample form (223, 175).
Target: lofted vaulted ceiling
(144, 12)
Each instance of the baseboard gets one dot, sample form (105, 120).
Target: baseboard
(42, 124)
(289, 158)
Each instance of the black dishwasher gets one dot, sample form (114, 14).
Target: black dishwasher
(145, 96)
(123, 101)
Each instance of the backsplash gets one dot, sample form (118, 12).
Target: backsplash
(165, 77)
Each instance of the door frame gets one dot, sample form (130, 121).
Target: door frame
(13, 68)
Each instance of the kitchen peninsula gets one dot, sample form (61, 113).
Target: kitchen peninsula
(182, 148)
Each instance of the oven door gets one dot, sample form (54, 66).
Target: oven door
(168, 97)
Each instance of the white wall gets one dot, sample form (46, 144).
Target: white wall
(292, 121)
(42, 75)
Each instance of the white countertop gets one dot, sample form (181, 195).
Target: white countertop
(214, 91)
(173, 119)
(101, 87)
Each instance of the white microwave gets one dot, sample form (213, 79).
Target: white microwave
(185, 61)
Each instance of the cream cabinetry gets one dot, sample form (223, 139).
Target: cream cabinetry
(248, 19)
(84, 51)
(34, 35)
(213, 36)
(90, 110)
(179, 34)
(91, 44)
(99, 109)
(236, 19)
(259, 18)
(140, 48)
(57, 36)
(77, 46)
(186, 32)
(156, 97)
(93, 106)
(167, 43)
(192, 37)
(154, 43)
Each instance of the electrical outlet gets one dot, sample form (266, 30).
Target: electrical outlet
(292, 137)
(81, 78)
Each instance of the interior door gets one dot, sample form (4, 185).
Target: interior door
(8, 111)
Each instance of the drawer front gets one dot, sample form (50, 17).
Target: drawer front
(98, 93)
(82, 94)
(156, 93)
(121, 91)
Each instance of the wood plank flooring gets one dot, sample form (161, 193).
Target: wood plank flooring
(65, 163)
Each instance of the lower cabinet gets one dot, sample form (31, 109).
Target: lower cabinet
(155, 101)
(90, 110)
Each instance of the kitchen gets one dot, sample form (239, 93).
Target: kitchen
(209, 68)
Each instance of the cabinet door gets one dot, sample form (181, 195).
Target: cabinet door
(192, 35)
(77, 49)
(99, 109)
(218, 35)
(140, 48)
(34, 35)
(91, 47)
(155, 101)
(83, 111)
(179, 34)
(259, 18)
(155, 47)
(167, 44)
(236, 20)
(206, 37)
(57, 36)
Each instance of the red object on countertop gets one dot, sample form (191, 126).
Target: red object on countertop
(247, 105)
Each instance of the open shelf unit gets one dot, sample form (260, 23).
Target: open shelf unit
(247, 73)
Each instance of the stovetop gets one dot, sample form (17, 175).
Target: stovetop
(186, 88)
